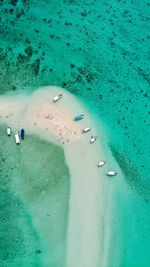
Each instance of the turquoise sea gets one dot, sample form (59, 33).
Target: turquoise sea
(99, 51)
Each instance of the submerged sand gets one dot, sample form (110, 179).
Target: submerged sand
(37, 114)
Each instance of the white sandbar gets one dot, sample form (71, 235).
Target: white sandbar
(37, 114)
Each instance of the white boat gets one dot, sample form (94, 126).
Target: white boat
(93, 139)
(56, 98)
(101, 163)
(85, 130)
(111, 173)
(8, 131)
(17, 138)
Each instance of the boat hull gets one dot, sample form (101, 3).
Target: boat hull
(111, 173)
(22, 134)
(8, 131)
(17, 139)
(100, 164)
(85, 130)
(78, 117)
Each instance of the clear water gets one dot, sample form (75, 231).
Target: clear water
(33, 203)
(99, 51)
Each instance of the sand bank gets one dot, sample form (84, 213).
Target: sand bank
(38, 114)
(54, 122)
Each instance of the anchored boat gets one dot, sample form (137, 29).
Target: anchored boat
(93, 139)
(101, 163)
(78, 117)
(57, 97)
(22, 134)
(111, 173)
(86, 130)
(8, 131)
(17, 138)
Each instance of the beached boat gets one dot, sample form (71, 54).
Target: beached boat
(85, 130)
(111, 173)
(93, 139)
(17, 138)
(78, 117)
(8, 131)
(22, 133)
(57, 97)
(101, 163)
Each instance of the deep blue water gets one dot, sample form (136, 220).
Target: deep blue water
(99, 51)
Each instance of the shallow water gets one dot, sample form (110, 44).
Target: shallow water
(34, 203)
(98, 51)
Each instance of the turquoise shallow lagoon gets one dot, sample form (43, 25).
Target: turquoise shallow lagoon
(34, 203)
(98, 50)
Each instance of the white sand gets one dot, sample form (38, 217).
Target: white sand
(53, 121)
(38, 114)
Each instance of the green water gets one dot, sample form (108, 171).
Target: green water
(99, 51)
(34, 203)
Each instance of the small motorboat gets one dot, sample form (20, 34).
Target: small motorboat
(93, 139)
(85, 130)
(101, 163)
(111, 173)
(8, 131)
(17, 138)
(56, 98)
(78, 117)
(22, 134)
